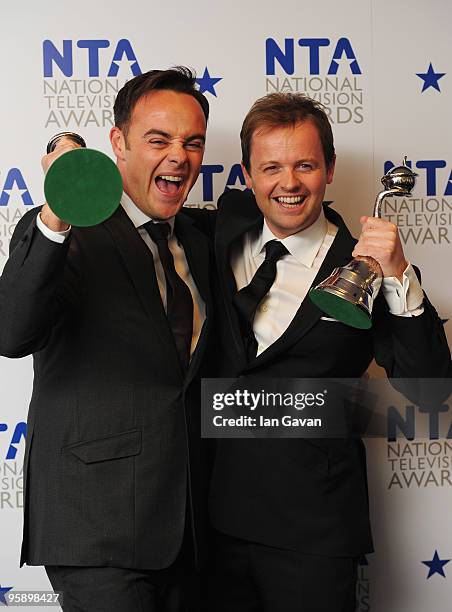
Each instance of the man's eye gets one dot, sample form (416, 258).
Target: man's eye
(194, 145)
(305, 166)
(157, 141)
(269, 169)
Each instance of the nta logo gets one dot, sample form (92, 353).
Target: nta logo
(64, 60)
(428, 168)
(209, 170)
(20, 431)
(432, 425)
(426, 217)
(15, 180)
(285, 56)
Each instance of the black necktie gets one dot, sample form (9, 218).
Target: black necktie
(179, 303)
(248, 298)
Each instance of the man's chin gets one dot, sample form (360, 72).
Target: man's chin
(283, 230)
(164, 210)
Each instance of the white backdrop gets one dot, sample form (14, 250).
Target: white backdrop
(61, 64)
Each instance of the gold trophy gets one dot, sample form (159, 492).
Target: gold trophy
(348, 293)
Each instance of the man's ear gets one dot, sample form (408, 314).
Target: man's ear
(248, 179)
(118, 142)
(330, 171)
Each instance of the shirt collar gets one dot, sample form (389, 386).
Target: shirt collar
(137, 216)
(303, 245)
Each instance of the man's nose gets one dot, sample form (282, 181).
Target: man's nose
(177, 153)
(290, 180)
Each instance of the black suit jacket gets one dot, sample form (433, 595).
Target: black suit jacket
(113, 443)
(307, 495)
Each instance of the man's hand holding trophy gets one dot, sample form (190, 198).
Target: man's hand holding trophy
(82, 186)
(348, 293)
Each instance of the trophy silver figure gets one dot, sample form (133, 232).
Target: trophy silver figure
(348, 293)
(71, 135)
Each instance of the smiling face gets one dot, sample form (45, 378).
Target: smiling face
(160, 158)
(288, 175)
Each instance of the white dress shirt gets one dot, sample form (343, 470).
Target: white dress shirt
(139, 218)
(295, 273)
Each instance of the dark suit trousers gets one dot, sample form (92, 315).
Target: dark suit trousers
(115, 589)
(250, 577)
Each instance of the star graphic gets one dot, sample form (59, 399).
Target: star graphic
(207, 83)
(350, 63)
(126, 65)
(24, 194)
(430, 78)
(18, 191)
(436, 565)
(3, 591)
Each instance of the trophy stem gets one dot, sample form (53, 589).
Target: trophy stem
(388, 193)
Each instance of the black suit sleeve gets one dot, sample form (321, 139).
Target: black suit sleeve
(411, 347)
(414, 350)
(204, 220)
(34, 288)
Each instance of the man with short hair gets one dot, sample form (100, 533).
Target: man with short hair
(117, 317)
(291, 516)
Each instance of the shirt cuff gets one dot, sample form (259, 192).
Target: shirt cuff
(404, 299)
(50, 234)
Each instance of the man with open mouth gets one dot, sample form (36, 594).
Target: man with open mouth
(118, 319)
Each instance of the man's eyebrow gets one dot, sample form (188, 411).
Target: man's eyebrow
(269, 161)
(156, 132)
(196, 137)
(302, 160)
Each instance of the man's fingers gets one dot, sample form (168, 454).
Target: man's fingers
(65, 143)
(375, 223)
(62, 146)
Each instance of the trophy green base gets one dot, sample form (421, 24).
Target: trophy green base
(335, 306)
(83, 187)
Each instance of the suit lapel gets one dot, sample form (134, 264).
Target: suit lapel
(198, 258)
(241, 215)
(139, 263)
(308, 314)
(197, 253)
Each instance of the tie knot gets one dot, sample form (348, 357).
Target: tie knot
(157, 231)
(274, 250)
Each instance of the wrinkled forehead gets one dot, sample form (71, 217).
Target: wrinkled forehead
(171, 108)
